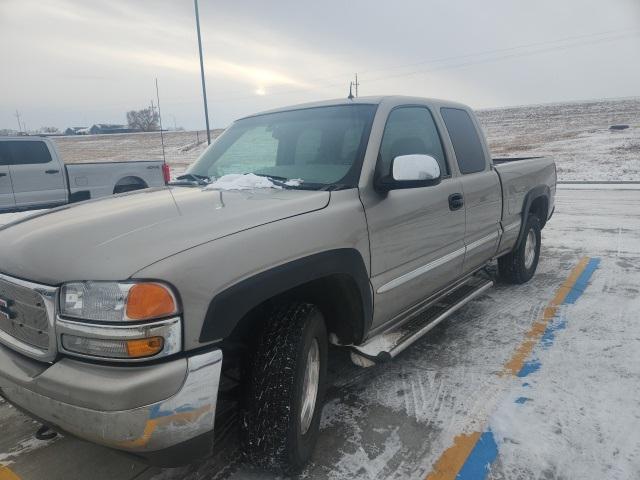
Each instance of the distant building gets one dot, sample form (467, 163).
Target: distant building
(75, 130)
(104, 128)
(99, 129)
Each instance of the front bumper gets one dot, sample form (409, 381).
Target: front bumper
(46, 392)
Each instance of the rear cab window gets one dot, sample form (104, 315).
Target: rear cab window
(465, 139)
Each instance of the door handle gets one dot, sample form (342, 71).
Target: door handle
(456, 201)
(51, 172)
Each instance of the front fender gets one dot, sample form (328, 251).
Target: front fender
(230, 306)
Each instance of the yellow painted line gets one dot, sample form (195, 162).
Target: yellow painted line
(453, 458)
(7, 474)
(515, 364)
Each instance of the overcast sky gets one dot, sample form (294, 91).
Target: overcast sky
(66, 62)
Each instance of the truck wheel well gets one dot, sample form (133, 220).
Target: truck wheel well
(337, 296)
(128, 184)
(540, 208)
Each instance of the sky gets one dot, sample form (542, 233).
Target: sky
(75, 63)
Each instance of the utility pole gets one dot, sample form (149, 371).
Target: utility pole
(19, 124)
(356, 84)
(204, 88)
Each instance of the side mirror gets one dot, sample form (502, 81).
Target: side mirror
(411, 171)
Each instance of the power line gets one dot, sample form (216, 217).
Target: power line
(497, 58)
(459, 65)
(472, 59)
(506, 49)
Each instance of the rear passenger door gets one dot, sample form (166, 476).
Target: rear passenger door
(7, 201)
(480, 187)
(38, 179)
(416, 239)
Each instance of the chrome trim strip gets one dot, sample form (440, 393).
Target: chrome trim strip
(169, 329)
(48, 295)
(396, 282)
(407, 277)
(512, 226)
(482, 241)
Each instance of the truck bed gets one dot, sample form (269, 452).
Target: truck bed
(101, 178)
(519, 177)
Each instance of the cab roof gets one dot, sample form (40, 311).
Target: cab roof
(393, 100)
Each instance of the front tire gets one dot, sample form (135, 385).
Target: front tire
(520, 265)
(285, 389)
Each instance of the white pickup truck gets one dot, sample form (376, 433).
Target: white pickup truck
(32, 175)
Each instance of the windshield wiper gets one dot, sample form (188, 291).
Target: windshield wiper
(192, 177)
(272, 177)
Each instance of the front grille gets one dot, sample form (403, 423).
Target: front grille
(23, 315)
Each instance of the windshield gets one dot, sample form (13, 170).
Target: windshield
(320, 146)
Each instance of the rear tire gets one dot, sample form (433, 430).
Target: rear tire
(280, 429)
(520, 265)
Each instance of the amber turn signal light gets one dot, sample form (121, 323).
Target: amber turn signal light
(144, 347)
(150, 300)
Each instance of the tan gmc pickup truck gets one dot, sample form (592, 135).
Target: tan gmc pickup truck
(129, 321)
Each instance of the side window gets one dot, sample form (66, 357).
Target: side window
(465, 140)
(28, 153)
(411, 130)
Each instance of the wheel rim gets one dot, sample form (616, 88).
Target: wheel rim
(530, 249)
(310, 386)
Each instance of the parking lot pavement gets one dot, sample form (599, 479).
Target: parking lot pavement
(540, 380)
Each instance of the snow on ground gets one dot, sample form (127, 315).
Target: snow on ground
(576, 135)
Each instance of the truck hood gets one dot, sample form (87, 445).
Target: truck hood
(112, 238)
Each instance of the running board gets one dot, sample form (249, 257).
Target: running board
(387, 345)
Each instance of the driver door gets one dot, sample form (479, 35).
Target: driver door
(416, 235)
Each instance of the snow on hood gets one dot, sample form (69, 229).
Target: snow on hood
(247, 181)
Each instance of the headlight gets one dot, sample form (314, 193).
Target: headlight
(117, 302)
(139, 320)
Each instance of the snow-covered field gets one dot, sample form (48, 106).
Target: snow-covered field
(577, 135)
(573, 414)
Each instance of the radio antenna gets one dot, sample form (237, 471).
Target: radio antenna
(164, 159)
